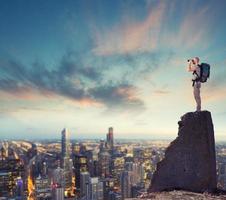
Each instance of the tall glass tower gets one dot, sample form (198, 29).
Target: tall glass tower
(67, 164)
(65, 143)
(110, 139)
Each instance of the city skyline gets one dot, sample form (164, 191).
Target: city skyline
(87, 66)
(109, 172)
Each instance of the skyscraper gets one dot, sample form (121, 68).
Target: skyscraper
(108, 186)
(104, 160)
(58, 177)
(69, 185)
(136, 169)
(19, 188)
(65, 143)
(110, 139)
(84, 183)
(114, 196)
(57, 193)
(126, 184)
(95, 189)
(11, 171)
(80, 165)
(90, 162)
(67, 163)
(42, 188)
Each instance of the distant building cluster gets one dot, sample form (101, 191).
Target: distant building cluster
(221, 166)
(83, 170)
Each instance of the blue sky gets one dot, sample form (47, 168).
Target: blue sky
(89, 65)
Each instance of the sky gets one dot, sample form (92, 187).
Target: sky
(89, 65)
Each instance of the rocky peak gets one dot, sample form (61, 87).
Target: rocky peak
(190, 162)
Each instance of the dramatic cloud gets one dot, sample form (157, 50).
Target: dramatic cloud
(128, 36)
(194, 28)
(156, 30)
(18, 78)
(120, 95)
(70, 79)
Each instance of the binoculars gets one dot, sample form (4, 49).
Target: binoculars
(191, 60)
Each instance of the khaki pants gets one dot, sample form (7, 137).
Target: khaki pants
(197, 97)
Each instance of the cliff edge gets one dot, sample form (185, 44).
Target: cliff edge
(190, 161)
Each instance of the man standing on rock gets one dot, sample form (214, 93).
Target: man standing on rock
(193, 66)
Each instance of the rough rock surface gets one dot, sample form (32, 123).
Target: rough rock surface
(180, 195)
(190, 162)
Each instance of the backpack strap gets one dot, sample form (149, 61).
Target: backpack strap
(193, 83)
(194, 72)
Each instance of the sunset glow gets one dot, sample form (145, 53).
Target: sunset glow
(89, 65)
